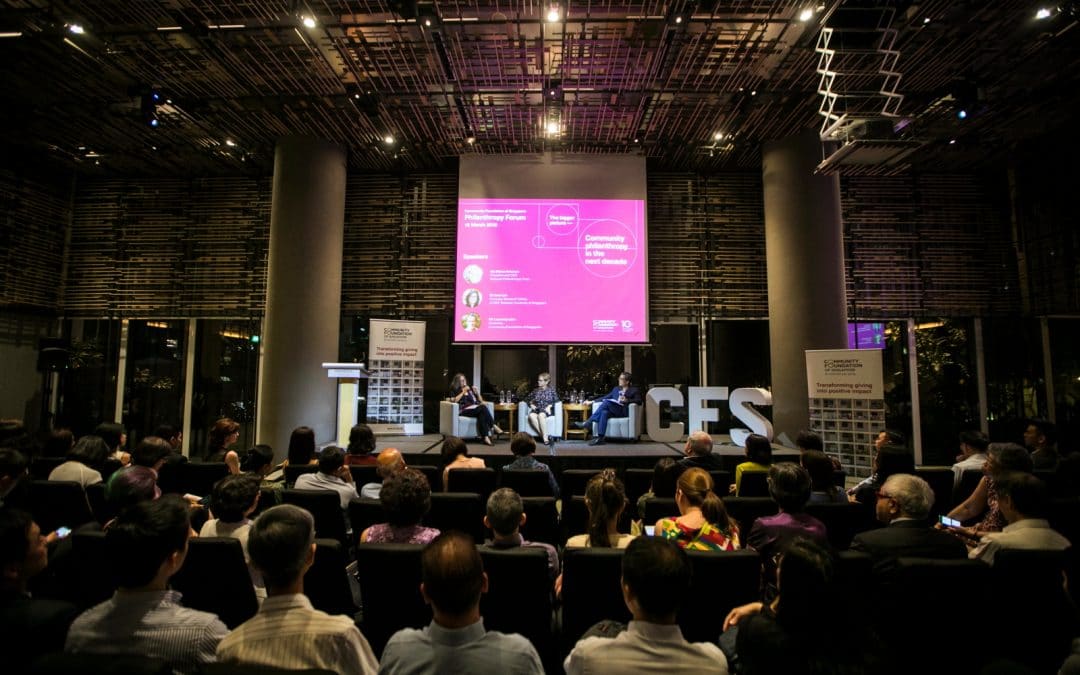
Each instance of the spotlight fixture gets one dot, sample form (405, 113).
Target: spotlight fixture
(470, 139)
(552, 128)
(148, 104)
(718, 136)
(230, 142)
(678, 19)
(1043, 13)
(926, 20)
(553, 14)
(806, 15)
(952, 141)
(11, 34)
(962, 114)
(389, 139)
(308, 21)
(76, 28)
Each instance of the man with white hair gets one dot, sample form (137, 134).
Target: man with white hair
(903, 504)
(699, 455)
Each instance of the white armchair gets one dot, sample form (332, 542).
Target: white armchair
(452, 423)
(554, 422)
(623, 427)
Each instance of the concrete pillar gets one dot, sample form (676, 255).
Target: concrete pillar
(303, 292)
(804, 253)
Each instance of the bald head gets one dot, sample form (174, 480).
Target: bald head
(389, 461)
(699, 444)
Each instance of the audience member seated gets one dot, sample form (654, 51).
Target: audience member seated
(146, 545)
(884, 437)
(406, 499)
(758, 458)
(903, 505)
(222, 436)
(455, 641)
(789, 486)
(361, 448)
(666, 472)
(287, 632)
(58, 443)
(83, 460)
(808, 441)
(14, 478)
(332, 475)
(1023, 500)
(1040, 437)
(259, 462)
(703, 523)
(699, 453)
(116, 438)
(29, 627)
(1000, 457)
(972, 455)
(655, 581)
(804, 630)
(455, 455)
(151, 452)
(505, 517)
(233, 500)
(174, 436)
(823, 489)
(389, 461)
(523, 446)
(605, 499)
(301, 448)
(888, 460)
(131, 485)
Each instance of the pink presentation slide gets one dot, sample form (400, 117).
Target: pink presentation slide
(545, 270)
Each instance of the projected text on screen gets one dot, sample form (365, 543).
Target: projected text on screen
(539, 270)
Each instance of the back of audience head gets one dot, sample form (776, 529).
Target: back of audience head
(132, 485)
(1028, 493)
(452, 448)
(1007, 457)
(281, 544)
(58, 443)
(522, 444)
(892, 459)
(361, 440)
(331, 459)
(699, 444)
(169, 433)
(504, 511)
(820, 468)
(696, 485)
(388, 461)
(218, 436)
(406, 497)
(808, 441)
(23, 554)
(975, 438)
(90, 450)
(656, 574)
(301, 446)
(259, 459)
(452, 574)
(12, 467)
(890, 437)
(151, 452)
(234, 497)
(913, 496)
(605, 498)
(805, 580)
(112, 433)
(665, 476)
(758, 449)
(144, 536)
(789, 486)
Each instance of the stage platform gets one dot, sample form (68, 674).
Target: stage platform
(574, 454)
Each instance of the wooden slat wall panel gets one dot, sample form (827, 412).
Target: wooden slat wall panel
(33, 220)
(915, 246)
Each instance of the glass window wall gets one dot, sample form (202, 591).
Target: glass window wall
(225, 380)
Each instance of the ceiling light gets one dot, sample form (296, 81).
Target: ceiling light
(637, 140)
(553, 14)
(11, 34)
(1043, 13)
(427, 22)
(962, 114)
(552, 128)
(389, 140)
(926, 20)
(309, 21)
(753, 92)
(230, 142)
(75, 28)
(167, 28)
(952, 141)
(678, 19)
(718, 136)
(470, 139)
(153, 121)
(806, 15)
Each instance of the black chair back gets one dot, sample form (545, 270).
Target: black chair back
(433, 475)
(854, 576)
(197, 478)
(591, 590)
(519, 593)
(941, 480)
(660, 507)
(526, 482)
(95, 496)
(363, 513)
(479, 481)
(969, 480)
(56, 503)
(94, 574)
(839, 478)
(745, 510)
(215, 578)
(363, 474)
(842, 521)
(326, 583)
(324, 506)
(710, 600)
(294, 472)
(721, 481)
(541, 520)
(41, 467)
(390, 588)
(572, 482)
(1030, 581)
(575, 516)
(754, 484)
(461, 511)
(256, 669)
(64, 663)
(637, 482)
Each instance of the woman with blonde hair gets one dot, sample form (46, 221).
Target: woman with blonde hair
(703, 523)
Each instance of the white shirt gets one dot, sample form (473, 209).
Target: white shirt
(288, 632)
(645, 648)
(324, 481)
(1031, 534)
(75, 471)
(973, 463)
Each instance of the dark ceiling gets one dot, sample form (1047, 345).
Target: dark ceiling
(693, 85)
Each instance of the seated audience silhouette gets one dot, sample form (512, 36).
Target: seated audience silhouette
(703, 523)
(505, 516)
(406, 499)
(1024, 501)
(387, 462)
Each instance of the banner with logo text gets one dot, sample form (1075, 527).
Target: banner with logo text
(847, 403)
(395, 398)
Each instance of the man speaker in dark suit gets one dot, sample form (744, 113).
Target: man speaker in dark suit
(615, 404)
(903, 503)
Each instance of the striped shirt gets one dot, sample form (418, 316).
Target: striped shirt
(149, 623)
(288, 632)
(434, 650)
